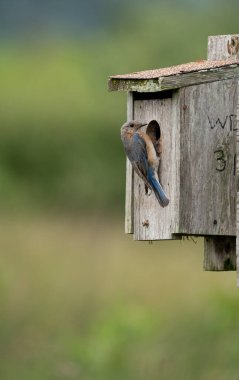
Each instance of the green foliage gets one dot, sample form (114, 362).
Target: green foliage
(59, 138)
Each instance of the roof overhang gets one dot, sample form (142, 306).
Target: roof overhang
(175, 77)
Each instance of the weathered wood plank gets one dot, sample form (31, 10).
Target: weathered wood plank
(218, 254)
(139, 85)
(207, 184)
(174, 81)
(151, 221)
(220, 48)
(129, 198)
(223, 47)
(237, 186)
(197, 78)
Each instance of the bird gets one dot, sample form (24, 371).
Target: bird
(141, 152)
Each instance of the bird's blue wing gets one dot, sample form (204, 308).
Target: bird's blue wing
(139, 158)
(157, 188)
(136, 151)
(136, 148)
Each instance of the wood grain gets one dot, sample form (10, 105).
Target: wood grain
(215, 246)
(173, 82)
(129, 199)
(218, 254)
(151, 221)
(221, 47)
(207, 181)
(237, 186)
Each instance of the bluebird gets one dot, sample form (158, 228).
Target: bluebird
(141, 152)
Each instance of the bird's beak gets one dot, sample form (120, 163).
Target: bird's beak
(139, 125)
(142, 125)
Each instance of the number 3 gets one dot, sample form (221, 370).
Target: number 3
(221, 160)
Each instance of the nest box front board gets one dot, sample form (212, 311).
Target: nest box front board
(192, 112)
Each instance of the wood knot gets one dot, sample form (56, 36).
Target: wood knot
(233, 46)
(146, 223)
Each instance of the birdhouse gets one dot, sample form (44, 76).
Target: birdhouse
(191, 115)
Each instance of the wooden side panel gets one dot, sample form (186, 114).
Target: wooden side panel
(207, 175)
(151, 221)
(129, 198)
(220, 47)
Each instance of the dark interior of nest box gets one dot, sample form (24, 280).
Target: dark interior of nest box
(153, 95)
(153, 130)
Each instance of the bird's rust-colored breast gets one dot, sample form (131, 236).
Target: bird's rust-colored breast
(152, 157)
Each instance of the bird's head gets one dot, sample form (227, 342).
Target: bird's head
(133, 125)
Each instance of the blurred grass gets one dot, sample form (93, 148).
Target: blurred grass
(83, 301)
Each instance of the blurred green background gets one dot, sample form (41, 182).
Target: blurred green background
(78, 298)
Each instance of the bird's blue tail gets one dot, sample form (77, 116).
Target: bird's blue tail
(158, 190)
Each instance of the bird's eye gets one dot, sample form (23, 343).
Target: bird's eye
(131, 125)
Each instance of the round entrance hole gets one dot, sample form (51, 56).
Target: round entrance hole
(154, 132)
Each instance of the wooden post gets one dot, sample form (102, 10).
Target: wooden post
(237, 187)
(220, 252)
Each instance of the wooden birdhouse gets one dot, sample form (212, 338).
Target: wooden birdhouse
(191, 111)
